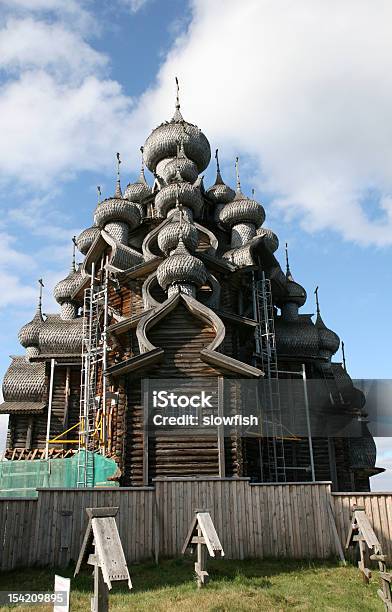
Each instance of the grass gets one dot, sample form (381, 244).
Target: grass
(234, 586)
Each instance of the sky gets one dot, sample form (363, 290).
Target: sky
(300, 91)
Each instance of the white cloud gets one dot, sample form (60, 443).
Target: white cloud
(8, 253)
(75, 12)
(13, 264)
(27, 44)
(51, 130)
(16, 293)
(304, 88)
(40, 217)
(59, 113)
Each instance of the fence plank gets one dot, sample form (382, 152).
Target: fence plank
(255, 520)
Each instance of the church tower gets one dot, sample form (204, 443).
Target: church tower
(179, 281)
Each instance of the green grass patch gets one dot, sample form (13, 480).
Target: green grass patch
(234, 586)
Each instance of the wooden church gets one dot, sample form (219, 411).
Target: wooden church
(179, 281)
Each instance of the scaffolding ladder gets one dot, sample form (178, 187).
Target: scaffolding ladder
(274, 470)
(92, 404)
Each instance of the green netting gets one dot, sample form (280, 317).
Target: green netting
(22, 478)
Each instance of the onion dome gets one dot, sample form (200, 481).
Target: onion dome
(161, 166)
(219, 192)
(242, 209)
(329, 342)
(24, 382)
(297, 337)
(295, 293)
(65, 288)
(179, 167)
(362, 450)
(270, 238)
(59, 336)
(350, 394)
(116, 209)
(358, 398)
(342, 378)
(86, 239)
(189, 196)
(29, 333)
(162, 142)
(138, 191)
(181, 267)
(171, 233)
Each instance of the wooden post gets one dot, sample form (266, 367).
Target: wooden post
(366, 573)
(221, 433)
(201, 537)
(66, 398)
(308, 423)
(332, 463)
(100, 599)
(200, 565)
(52, 364)
(108, 557)
(29, 435)
(362, 532)
(145, 430)
(104, 359)
(384, 593)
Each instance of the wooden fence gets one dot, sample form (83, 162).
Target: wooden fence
(378, 507)
(288, 520)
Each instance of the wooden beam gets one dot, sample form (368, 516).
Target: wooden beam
(66, 396)
(145, 432)
(29, 434)
(221, 433)
(100, 601)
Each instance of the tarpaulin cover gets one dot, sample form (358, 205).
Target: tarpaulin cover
(22, 478)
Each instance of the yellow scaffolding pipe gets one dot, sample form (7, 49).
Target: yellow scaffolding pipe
(57, 438)
(97, 433)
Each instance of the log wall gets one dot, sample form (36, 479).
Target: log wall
(183, 337)
(290, 520)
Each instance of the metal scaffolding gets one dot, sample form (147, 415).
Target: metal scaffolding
(92, 428)
(272, 442)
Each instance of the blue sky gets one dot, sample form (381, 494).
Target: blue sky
(301, 91)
